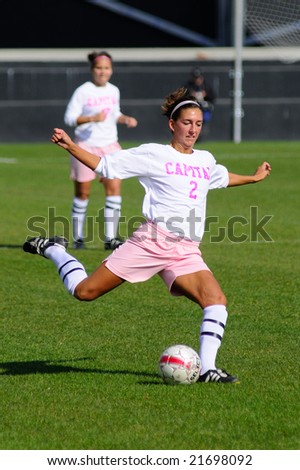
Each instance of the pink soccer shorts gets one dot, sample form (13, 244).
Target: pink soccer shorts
(151, 250)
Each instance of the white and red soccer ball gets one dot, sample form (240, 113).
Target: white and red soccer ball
(179, 364)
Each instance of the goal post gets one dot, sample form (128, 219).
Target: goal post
(269, 23)
(238, 70)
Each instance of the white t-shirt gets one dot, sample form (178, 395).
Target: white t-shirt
(176, 184)
(87, 100)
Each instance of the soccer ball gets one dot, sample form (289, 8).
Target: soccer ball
(179, 364)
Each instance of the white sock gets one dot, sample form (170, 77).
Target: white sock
(211, 334)
(70, 270)
(79, 208)
(112, 211)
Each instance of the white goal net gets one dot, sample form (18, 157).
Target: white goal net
(274, 22)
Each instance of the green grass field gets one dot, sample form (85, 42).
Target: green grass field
(84, 375)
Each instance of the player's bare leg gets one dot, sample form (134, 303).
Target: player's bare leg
(201, 287)
(98, 283)
(71, 271)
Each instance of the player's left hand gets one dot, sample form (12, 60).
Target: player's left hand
(262, 171)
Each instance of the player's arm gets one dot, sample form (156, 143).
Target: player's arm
(62, 139)
(260, 174)
(129, 121)
(98, 117)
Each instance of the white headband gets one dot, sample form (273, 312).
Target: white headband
(182, 103)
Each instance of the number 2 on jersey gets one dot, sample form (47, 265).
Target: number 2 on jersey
(192, 194)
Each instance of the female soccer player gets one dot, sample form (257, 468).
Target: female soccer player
(94, 111)
(176, 179)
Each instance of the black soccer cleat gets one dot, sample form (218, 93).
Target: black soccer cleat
(113, 244)
(218, 375)
(38, 245)
(79, 244)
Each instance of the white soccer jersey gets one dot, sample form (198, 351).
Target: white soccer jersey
(176, 184)
(88, 100)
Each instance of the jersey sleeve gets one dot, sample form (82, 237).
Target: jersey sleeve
(117, 110)
(74, 109)
(125, 163)
(219, 177)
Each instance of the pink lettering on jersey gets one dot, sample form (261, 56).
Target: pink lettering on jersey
(205, 174)
(182, 169)
(178, 170)
(168, 168)
(101, 101)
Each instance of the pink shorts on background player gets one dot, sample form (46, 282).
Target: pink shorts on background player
(79, 171)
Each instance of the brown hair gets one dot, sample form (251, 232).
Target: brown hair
(94, 55)
(176, 97)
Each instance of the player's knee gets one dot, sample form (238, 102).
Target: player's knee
(221, 299)
(84, 293)
(217, 298)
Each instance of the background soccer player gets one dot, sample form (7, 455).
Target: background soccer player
(94, 111)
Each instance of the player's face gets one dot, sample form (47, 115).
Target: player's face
(102, 71)
(186, 129)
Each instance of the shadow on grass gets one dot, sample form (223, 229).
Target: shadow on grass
(57, 367)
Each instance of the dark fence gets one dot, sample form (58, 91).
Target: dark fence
(33, 98)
